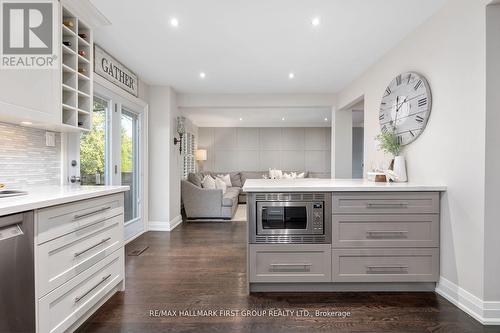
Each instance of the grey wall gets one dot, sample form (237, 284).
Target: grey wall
(357, 151)
(24, 158)
(258, 149)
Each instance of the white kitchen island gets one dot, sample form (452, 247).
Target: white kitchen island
(334, 185)
(342, 235)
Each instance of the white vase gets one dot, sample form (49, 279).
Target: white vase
(400, 169)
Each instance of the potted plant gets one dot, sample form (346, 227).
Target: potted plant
(389, 144)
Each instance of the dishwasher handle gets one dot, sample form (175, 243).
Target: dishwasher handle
(10, 220)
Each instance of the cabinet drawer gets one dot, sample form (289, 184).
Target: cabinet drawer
(59, 220)
(385, 265)
(65, 257)
(290, 263)
(412, 230)
(386, 203)
(64, 306)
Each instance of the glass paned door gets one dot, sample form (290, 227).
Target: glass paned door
(94, 159)
(130, 162)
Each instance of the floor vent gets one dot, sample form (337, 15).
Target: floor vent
(138, 252)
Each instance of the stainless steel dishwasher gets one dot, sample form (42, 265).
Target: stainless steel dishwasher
(17, 277)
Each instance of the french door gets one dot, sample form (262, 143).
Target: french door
(110, 154)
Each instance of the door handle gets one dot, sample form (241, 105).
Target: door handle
(77, 254)
(387, 269)
(306, 267)
(391, 205)
(81, 216)
(79, 298)
(381, 233)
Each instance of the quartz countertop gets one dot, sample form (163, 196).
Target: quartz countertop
(46, 196)
(334, 185)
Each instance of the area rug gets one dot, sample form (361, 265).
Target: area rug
(241, 214)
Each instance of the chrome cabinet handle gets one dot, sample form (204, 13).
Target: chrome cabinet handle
(381, 205)
(387, 269)
(81, 216)
(380, 233)
(282, 267)
(79, 298)
(77, 254)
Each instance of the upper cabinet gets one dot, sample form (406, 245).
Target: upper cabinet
(60, 98)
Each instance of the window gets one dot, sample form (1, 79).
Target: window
(188, 149)
(93, 146)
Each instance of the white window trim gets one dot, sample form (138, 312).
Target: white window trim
(101, 85)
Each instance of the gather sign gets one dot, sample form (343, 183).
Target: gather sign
(111, 69)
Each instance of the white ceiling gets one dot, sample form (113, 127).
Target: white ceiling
(250, 46)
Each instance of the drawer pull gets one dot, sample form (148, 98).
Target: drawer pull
(389, 205)
(386, 269)
(291, 267)
(391, 233)
(81, 216)
(79, 298)
(77, 254)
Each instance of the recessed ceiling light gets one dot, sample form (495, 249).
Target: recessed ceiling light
(27, 123)
(174, 22)
(241, 119)
(291, 75)
(203, 75)
(315, 21)
(283, 118)
(326, 119)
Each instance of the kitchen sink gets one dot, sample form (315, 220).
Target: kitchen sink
(11, 193)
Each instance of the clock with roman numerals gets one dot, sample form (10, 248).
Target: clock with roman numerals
(405, 107)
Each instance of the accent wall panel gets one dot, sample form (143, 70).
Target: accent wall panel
(258, 149)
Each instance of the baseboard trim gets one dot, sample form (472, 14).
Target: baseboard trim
(342, 287)
(175, 222)
(487, 313)
(165, 226)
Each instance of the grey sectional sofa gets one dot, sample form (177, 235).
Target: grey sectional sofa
(202, 203)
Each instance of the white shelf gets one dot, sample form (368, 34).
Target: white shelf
(83, 76)
(68, 50)
(68, 32)
(83, 59)
(83, 41)
(68, 88)
(68, 69)
(76, 87)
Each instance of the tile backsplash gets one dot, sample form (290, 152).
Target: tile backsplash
(25, 159)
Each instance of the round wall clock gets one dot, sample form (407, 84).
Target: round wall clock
(405, 107)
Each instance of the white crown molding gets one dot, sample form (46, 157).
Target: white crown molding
(487, 313)
(165, 225)
(90, 14)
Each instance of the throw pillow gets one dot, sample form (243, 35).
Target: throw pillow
(226, 179)
(275, 174)
(195, 179)
(301, 175)
(221, 185)
(208, 182)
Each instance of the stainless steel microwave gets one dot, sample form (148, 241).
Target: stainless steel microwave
(293, 219)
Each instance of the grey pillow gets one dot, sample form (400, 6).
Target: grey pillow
(195, 179)
(235, 179)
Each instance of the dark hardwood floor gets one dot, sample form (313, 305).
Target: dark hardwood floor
(201, 266)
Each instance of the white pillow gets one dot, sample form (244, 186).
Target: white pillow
(208, 182)
(301, 175)
(226, 179)
(221, 185)
(275, 174)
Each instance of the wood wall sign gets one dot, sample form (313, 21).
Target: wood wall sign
(112, 70)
